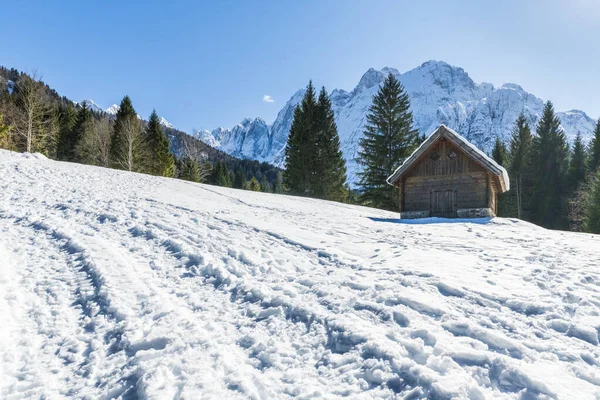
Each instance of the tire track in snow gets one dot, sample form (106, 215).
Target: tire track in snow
(151, 306)
(89, 340)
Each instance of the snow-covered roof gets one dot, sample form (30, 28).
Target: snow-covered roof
(462, 143)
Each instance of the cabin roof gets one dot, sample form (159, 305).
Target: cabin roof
(470, 149)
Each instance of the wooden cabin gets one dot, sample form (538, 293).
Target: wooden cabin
(449, 177)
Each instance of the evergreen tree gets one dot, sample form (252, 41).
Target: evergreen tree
(189, 170)
(595, 149)
(300, 149)
(550, 161)
(389, 138)
(82, 126)
(520, 165)
(161, 161)
(254, 185)
(278, 184)
(500, 153)
(240, 180)
(577, 166)
(592, 214)
(329, 177)
(67, 118)
(221, 175)
(265, 186)
(5, 139)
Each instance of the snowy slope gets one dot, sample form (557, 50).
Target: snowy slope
(439, 93)
(115, 284)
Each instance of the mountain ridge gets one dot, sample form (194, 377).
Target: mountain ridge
(440, 94)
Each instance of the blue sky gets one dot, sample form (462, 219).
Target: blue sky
(204, 64)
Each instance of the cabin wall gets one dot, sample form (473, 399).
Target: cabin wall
(471, 190)
(461, 179)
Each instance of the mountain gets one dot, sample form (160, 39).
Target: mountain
(165, 123)
(162, 289)
(440, 94)
(249, 139)
(112, 110)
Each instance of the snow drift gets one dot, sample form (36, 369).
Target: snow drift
(120, 285)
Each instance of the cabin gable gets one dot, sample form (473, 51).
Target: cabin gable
(444, 158)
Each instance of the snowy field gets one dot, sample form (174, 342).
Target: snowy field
(119, 285)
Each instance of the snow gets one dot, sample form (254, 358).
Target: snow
(91, 104)
(120, 285)
(113, 110)
(165, 123)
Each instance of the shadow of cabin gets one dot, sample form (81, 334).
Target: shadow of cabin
(449, 177)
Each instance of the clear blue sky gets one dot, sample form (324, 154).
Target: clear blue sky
(204, 64)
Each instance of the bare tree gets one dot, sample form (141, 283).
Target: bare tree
(134, 149)
(94, 147)
(103, 133)
(33, 113)
(192, 152)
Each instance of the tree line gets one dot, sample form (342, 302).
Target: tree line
(34, 118)
(552, 184)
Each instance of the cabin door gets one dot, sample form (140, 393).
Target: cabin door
(443, 203)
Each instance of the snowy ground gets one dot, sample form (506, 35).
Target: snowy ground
(122, 285)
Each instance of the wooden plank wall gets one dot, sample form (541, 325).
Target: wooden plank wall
(462, 164)
(471, 190)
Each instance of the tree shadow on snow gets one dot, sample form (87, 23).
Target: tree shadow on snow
(433, 220)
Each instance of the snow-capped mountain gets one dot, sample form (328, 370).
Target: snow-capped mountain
(114, 109)
(439, 93)
(165, 123)
(249, 139)
(91, 104)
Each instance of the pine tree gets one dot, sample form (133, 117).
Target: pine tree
(265, 186)
(550, 161)
(577, 166)
(254, 185)
(190, 170)
(500, 153)
(389, 138)
(520, 165)
(592, 213)
(67, 119)
(5, 139)
(594, 161)
(161, 161)
(278, 185)
(72, 151)
(240, 180)
(300, 147)
(220, 175)
(501, 156)
(329, 175)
